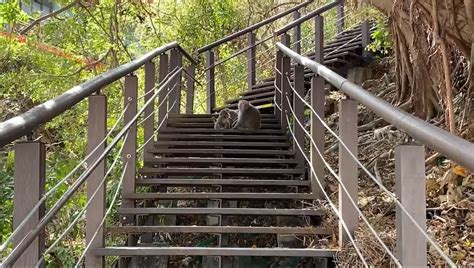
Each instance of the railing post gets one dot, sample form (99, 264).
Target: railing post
(365, 31)
(277, 100)
(348, 166)
(162, 110)
(190, 89)
(410, 189)
(298, 107)
(129, 153)
(317, 133)
(285, 39)
(319, 39)
(297, 33)
(210, 82)
(30, 176)
(97, 129)
(285, 89)
(252, 75)
(176, 61)
(149, 124)
(340, 17)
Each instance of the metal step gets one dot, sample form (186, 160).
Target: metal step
(240, 171)
(223, 144)
(220, 137)
(228, 182)
(259, 89)
(232, 196)
(221, 131)
(211, 125)
(252, 96)
(220, 151)
(209, 120)
(208, 251)
(221, 211)
(173, 115)
(219, 230)
(219, 160)
(253, 102)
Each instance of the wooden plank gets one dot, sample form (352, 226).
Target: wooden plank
(410, 189)
(262, 89)
(222, 211)
(246, 171)
(222, 151)
(234, 182)
(251, 60)
(209, 120)
(233, 196)
(268, 93)
(176, 61)
(207, 251)
(348, 167)
(29, 185)
(191, 71)
(223, 144)
(219, 230)
(149, 123)
(97, 129)
(253, 102)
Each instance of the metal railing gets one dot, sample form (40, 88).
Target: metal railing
(27, 122)
(30, 158)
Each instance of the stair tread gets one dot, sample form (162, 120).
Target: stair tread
(219, 229)
(219, 136)
(221, 131)
(220, 160)
(223, 211)
(222, 143)
(211, 125)
(210, 120)
(251, 96)
(174, 115)
(222, 151)
(195, 196)
(212, 251)
(221, 182)
(226, 170)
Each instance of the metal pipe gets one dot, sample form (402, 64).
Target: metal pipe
(307, 17)
(253, 27)
(25, 123)
(452, 146)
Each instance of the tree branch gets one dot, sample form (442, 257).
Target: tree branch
(52, 14)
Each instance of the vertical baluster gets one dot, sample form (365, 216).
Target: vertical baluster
(277, 99)
(285, 89)
(190, 89)
(319, 39)
(97, 129)
(130, 148)
(317, 133)
(365, 31)
(210, 83)
(410, 189)
(285, 86)
(348, 166)
(163, 71)
(252, 75)
(149, 124)
(340, 17)
(176, 61)
(297, 32)
(29, 183)
(298, 107)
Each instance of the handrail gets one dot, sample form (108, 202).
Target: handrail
(452, 146)
(252, 27)
(308, 16)
(25, 123)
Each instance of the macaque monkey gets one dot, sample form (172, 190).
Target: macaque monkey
(248, 117)
(233, 115)
(223, 121)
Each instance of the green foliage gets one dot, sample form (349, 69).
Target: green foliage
(382, 39)
(10, 13)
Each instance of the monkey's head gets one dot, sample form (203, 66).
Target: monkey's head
(243, 105)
